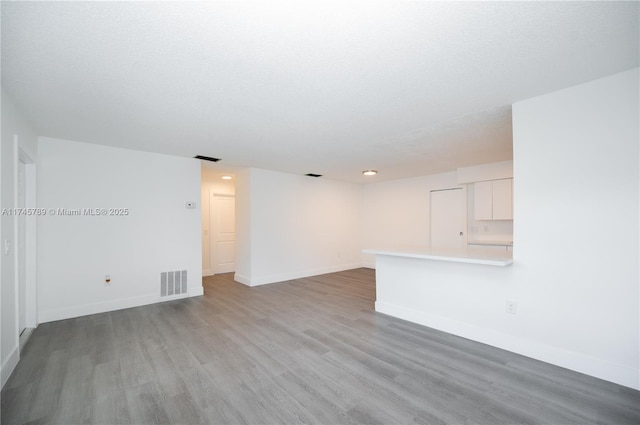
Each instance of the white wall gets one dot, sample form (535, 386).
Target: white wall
(76, 252)
(576, 227)
(14, 128)
(299, 226)
(396, 213)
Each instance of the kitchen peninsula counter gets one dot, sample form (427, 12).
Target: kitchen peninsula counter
(461, 256)
(452, 291)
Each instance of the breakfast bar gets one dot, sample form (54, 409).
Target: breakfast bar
(462, 256)
(453, 291)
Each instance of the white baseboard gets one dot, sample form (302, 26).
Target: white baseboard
(197, 291)
(242, 279)
(112, 305)
(265, 280)
(9, 365)
(207, 273)
(25, 336)
(619, 374)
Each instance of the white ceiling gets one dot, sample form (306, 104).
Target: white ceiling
(330, 88)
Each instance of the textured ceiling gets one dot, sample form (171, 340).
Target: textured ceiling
(405, 88)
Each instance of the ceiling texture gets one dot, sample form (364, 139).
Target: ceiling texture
(406, 88)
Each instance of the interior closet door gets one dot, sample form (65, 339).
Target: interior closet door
(448, 221)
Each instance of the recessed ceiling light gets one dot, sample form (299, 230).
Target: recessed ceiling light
(226, 177)
(370, 172)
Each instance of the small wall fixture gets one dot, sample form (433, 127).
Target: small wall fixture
(226, 177)
(370, 172)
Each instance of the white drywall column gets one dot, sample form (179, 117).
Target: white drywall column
(576, 227)
(243, 226)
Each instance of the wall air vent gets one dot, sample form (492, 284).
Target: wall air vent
(313, 175)
(173, 283)
(207, 158)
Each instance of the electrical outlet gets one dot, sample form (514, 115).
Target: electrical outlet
(512, 306)
(107, 280)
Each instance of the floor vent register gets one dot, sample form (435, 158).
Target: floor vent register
(173, 283)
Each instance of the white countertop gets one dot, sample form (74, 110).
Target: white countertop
(488, 259)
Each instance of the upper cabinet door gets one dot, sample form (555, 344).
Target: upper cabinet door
(483, 200)
(503, 199)
(493, 200)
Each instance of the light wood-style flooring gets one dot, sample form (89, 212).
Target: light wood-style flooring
(306, 351)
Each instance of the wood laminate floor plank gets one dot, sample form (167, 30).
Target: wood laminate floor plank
(308, 350)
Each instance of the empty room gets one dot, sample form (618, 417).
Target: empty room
(320, 212)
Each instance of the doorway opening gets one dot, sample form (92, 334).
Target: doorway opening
(25, 254)
(218, 220)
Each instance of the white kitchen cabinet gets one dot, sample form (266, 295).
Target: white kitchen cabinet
(503, 199)
(483, 200)
(493, 200)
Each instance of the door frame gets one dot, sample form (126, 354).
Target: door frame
(213, 227)
(31, 289)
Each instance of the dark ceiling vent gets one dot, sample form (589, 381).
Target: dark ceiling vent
(207, 158)
(313, 175)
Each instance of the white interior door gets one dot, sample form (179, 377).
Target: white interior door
(223, 233)
(21, 250)
(448, 219)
